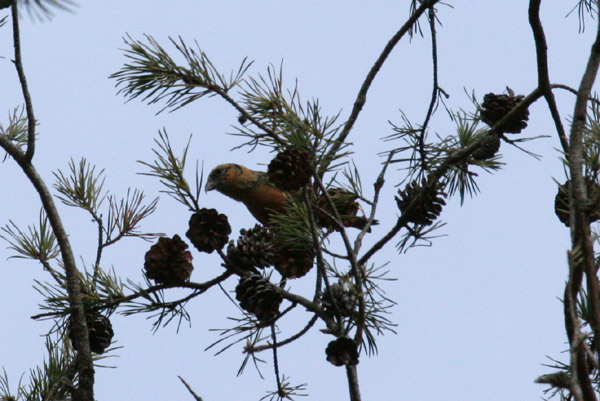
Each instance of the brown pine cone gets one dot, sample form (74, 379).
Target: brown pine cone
(561, 201)
(487, 148)
(342, 351)
(339, 298)
(208, 230)
(258, 296)
(291, 263)
(427, 208)
(168, 261)
(494, 107)
(290, 170)
(254, 248)
(100, 332)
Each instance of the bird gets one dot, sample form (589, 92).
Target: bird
(257, 193)
(250, 187)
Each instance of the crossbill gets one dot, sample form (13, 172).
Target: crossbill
(260, 196)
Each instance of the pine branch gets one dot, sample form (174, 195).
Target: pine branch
(82, 187)
(352, 376)
(17, 128)
(31, 123)
(541, 50)
(196, 397)
(85, 368)
(39, 243)
(170, 169)
(289, 340)
(44, 8)
(580, 232)
(361, 98)
(154, 75)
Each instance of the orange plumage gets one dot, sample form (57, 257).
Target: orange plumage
(254, 190)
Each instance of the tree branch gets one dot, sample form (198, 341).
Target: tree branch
(435, 92)
(361, 98)
(311, 322)
(541, 50)
(451, 160)
(85, 367)
(580, 230)
(22, 79)
(352, 375)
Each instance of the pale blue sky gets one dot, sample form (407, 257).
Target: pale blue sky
(477, 312)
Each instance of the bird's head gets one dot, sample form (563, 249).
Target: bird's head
(230, 179)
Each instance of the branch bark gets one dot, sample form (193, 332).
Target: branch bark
(85, 368)
(84, 362)
(361, 98)
(541, 51)
(580, 232)
(352, 375)
(23, 80)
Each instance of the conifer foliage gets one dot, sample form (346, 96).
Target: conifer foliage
(316, 259)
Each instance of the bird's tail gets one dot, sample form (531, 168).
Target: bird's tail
(360, 222)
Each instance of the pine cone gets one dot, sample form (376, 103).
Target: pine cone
(100, 332)
(339, 295)
(427, 208)
(561, 201)
(254, 248)
(487, 148)
(168, 261)
(342, 351)
(345, 203)
(258, 296)
(290, 170)
(292, 263)
(494, 107)
(208, 230)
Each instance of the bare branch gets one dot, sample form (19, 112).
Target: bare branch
(23, 80)
(361, 98)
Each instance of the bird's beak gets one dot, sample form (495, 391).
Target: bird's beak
(210, 184)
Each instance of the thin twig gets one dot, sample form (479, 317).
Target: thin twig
(101, 244)
(451, 160)
(289, 340)
(23, 80)
(268, 131)
(435, 90)
(541, 50)
(356, 268)
(361, 98)
(280, 391)
(112, 302)
(322, 272)
(400, 223)
(196, 397)
(377, 186)
(574, 91)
